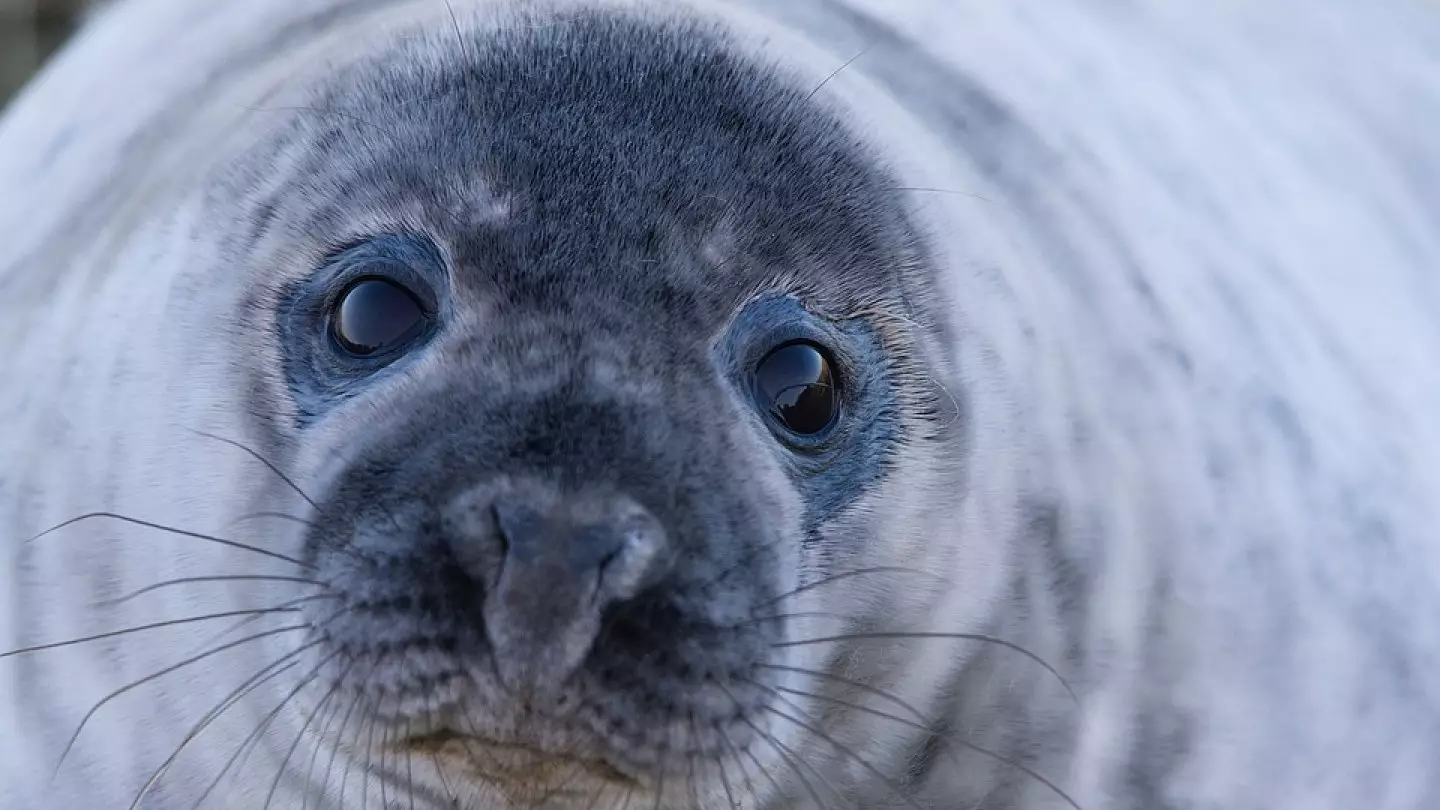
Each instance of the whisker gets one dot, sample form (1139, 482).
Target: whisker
(740, 762)
(440, 768)
(254, 682)
(928, 635)
(836, 72)
(157, 675)
(324, 735)
(444, 780)
(487, 765)
(318, 597)
(933, 732)
(894, 788)
(794, 760)
(410, 767)
(308, 523)
(725, 785)
(304, 727)
(775, 617)
(455, 23)
(849, 754)
(369, 751)
(355, 744)
(274, 469)
(864, 687)
(660, 779)
(279, 473)
(724, 777)
(334, 751)
(245, 751)
(595, 797)
(288, 482)
(690, 764)
(309, 678)
(248, 516)
(195, 580)
(140, 629)
(927, 190)
(384, 747)
(844, 575)
(171, 530)
(554, 790)
(783, 752)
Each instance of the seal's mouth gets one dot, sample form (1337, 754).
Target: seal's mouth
(511, 761)
(431, 741)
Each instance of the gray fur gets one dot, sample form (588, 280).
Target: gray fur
(1129, 306)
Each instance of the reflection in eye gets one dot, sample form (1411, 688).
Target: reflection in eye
(796, 384)
(375, 315)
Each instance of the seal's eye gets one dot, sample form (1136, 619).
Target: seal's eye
(795, 384)
(375, 315)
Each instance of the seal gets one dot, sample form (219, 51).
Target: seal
(621, 404)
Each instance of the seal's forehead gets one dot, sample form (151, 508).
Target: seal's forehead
(607, 155)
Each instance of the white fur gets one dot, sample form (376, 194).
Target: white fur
(1285, 147)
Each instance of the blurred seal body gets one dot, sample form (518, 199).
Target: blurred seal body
(761, 405)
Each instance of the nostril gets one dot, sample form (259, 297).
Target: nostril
(610, 557)
(601, 592)
(635, 561)
(519, 526)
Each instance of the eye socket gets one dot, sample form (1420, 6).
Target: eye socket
(374, 315)
(796, 385)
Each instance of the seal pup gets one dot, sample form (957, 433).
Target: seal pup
(625, 405)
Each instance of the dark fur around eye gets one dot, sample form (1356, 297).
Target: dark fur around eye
(369, 307)
(838, 441)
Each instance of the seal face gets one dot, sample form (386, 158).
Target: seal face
(577, 424)
(577, 533)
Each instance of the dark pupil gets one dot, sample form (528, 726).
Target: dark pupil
(795, 383)
(375, 314)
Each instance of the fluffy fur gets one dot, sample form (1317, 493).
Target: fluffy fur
(1128, 508)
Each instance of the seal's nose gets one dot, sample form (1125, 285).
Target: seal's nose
(555, 563)
(531, 533)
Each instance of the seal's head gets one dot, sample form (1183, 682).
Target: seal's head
(607, 358)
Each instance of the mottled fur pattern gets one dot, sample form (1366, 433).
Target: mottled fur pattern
(1129, 506)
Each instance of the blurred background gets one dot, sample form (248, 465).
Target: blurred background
(30, 30)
